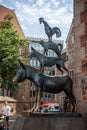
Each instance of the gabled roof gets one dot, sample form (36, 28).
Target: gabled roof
(5, 98)
(71, 26)
(4, 7)
(4, 11)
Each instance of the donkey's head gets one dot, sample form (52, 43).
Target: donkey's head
(21, 74)
(41, 20)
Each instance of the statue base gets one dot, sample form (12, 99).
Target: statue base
(53, 114)
(52, 121)
(26, 113)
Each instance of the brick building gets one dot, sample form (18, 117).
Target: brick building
(22, 94)
(77, 52)
(4, 11)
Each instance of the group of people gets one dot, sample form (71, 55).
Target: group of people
(6, 113)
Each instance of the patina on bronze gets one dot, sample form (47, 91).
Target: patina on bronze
(43, 83)
(57, 48)
(49, 61)
(50, 31)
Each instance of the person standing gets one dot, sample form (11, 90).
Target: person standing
(6, 113)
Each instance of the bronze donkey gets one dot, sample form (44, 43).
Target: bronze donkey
(43, 83)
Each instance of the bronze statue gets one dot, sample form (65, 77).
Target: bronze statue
(50, 31)
(43, 83)
(57, 48)
(48, 61)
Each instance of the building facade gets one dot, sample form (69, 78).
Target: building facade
(4, 11)
(80, 25)
(76, 50)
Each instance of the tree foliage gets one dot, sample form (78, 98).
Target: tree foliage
(10, 42)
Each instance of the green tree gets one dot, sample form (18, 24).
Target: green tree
(10, 42)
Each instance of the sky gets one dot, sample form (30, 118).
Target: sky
(57, 13)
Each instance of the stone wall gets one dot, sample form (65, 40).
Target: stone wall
(50, 123)
(22, 95)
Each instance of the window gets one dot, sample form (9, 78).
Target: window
(33, 62)
(71, 56)
(72, 38)
(38, 63)
(30, 93)
(85, 4)
(45, 95)
(34, 93)
(53, 96)
(49, 95)
(1, 91)
(31, 84)
(71, 73)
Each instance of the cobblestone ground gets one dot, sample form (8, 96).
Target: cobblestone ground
(12, 121)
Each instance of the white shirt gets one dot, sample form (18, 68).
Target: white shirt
(6, 110)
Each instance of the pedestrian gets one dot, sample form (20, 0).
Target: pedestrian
(6, 113)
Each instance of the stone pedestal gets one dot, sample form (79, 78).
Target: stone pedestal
(51, 121)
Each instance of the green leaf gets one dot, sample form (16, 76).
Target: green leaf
(10, 41)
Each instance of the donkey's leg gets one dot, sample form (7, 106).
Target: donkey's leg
(45, 51)
(59, 68)
(38, 101)
(72, 100)
(49, 37)
(42, 68)
(65, 68)
(35, 101)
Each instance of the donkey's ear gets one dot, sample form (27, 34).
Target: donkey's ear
(21, 64)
